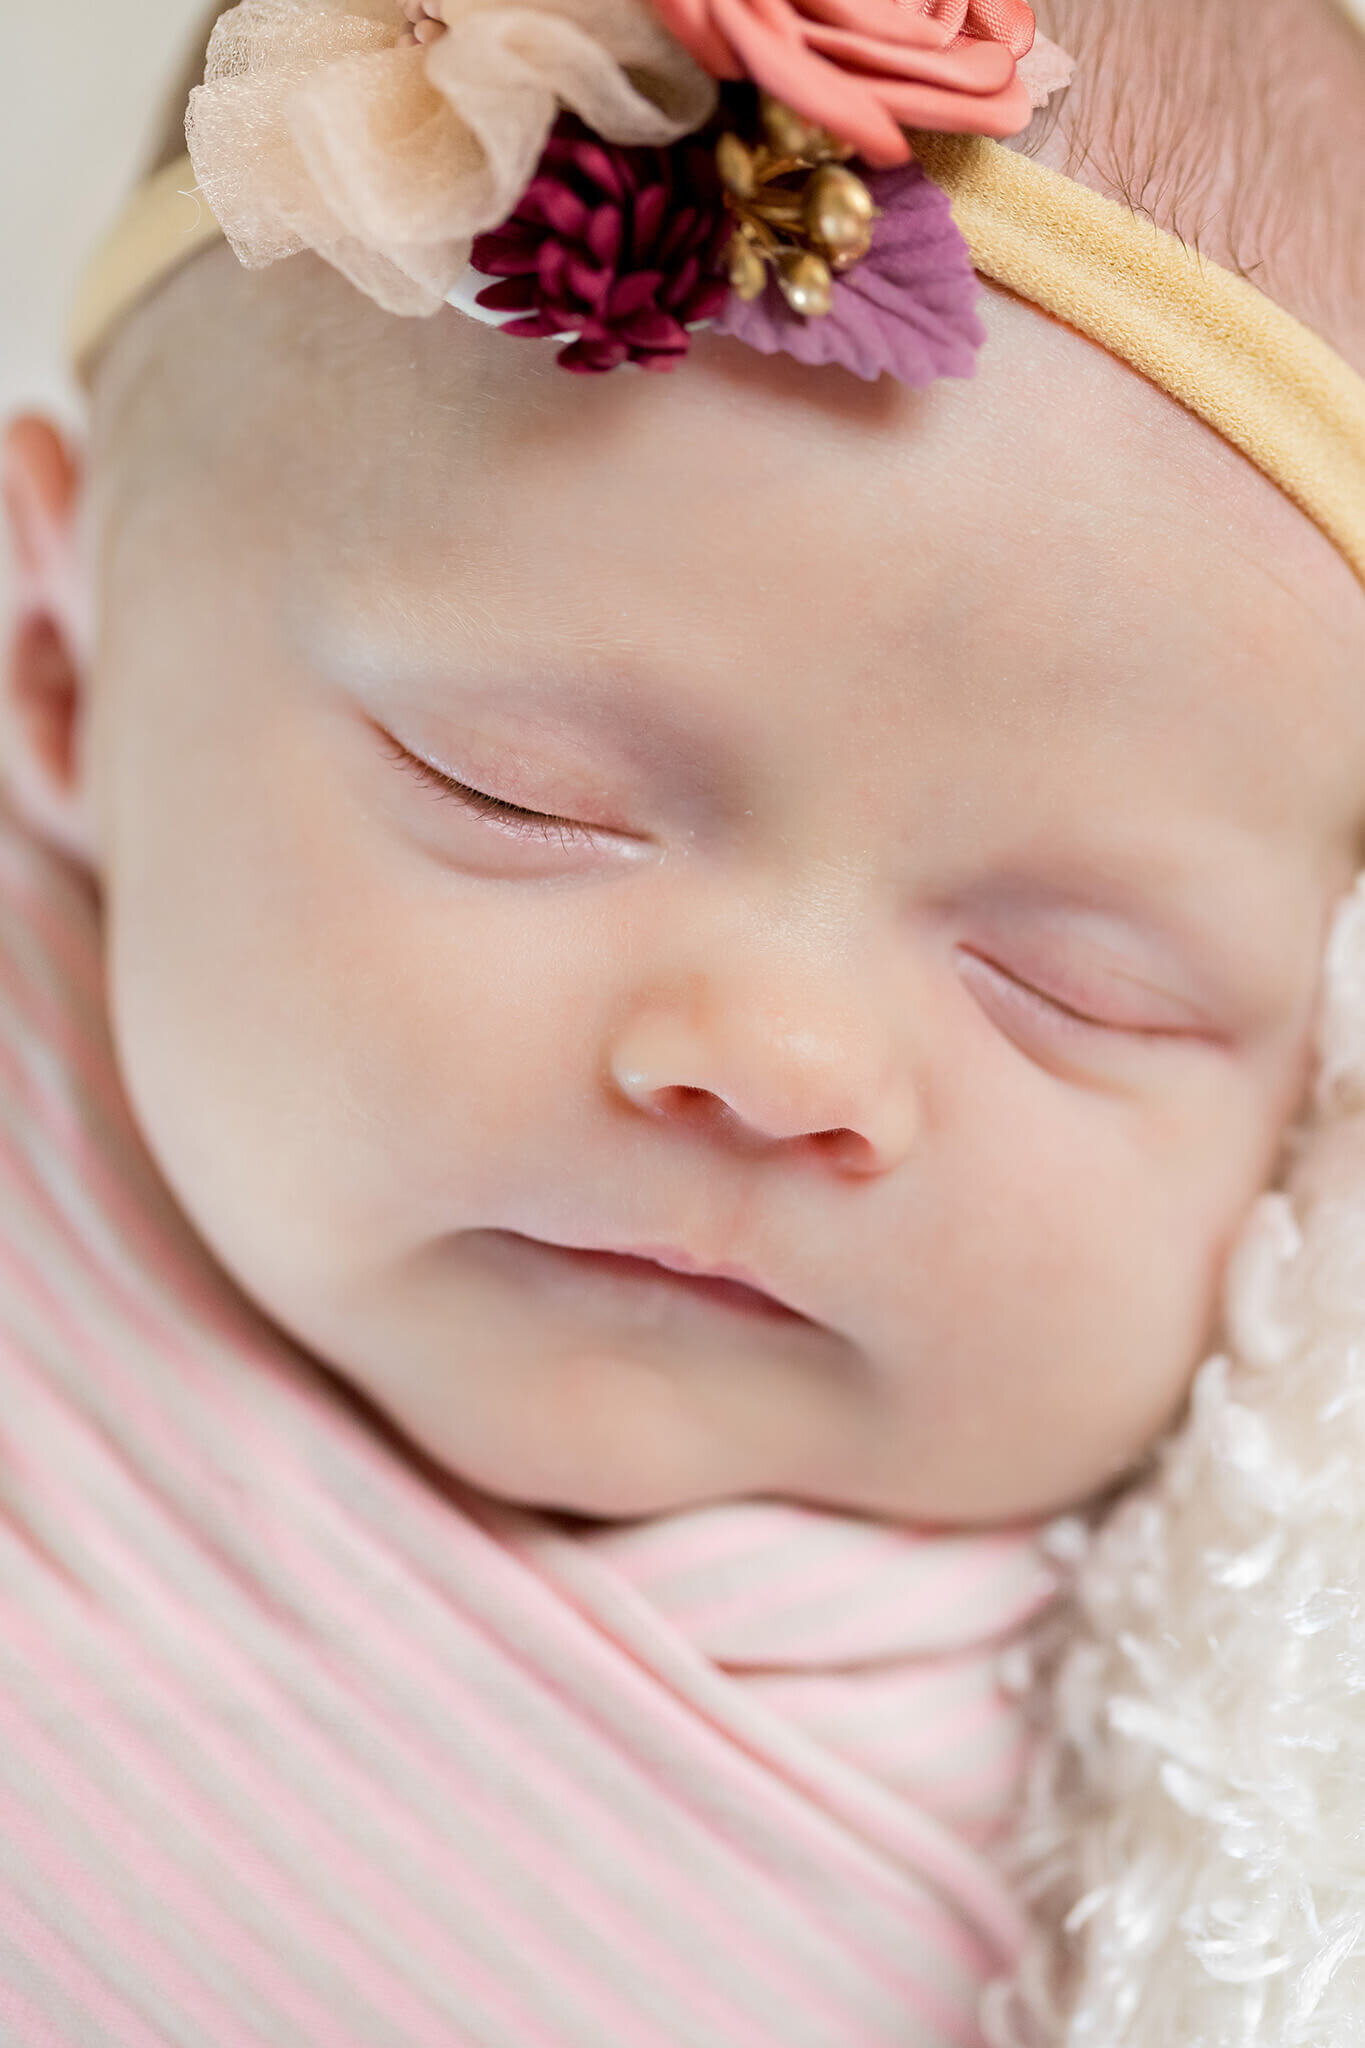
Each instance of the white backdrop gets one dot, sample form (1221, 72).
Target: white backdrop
(81, 84)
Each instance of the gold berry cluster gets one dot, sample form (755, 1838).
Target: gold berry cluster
(798, 209)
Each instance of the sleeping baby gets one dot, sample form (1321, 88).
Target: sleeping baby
(640, 1010)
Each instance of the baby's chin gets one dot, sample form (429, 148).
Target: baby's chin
(606, 1436)
(606, 1431)
(614, 1445)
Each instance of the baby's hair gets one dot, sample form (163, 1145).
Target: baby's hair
(1234, 124)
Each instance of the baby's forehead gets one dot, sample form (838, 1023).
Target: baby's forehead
(1057, 481)
(1055, 454)
(1054, 532)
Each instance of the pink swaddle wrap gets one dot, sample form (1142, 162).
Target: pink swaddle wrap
(300, 1743)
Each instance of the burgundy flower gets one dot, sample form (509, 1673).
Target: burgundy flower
(620, 247)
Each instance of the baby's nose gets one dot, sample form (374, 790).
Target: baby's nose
(750, 1078)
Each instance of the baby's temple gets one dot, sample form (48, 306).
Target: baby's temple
(682, 996)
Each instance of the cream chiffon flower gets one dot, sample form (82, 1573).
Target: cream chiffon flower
(315, 129)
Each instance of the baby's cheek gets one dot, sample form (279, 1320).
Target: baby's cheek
(1152, 1252)
(1079, 1292)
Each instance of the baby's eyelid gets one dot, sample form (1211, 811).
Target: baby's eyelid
(480, 800)
(1066, 1013)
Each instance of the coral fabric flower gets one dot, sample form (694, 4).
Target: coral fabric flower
(867, 69)
(385, 136)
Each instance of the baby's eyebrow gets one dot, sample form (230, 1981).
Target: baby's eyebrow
(1222, 907)
(618, 703)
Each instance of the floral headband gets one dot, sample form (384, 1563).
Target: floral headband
(822, 177)
(616, 173)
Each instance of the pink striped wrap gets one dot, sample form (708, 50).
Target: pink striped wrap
(304, 1745)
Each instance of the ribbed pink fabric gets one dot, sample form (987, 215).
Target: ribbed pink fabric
(300, 1747)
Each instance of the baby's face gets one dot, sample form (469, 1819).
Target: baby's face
(831, 1053)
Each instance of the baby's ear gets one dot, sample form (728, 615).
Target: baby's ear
(44, 682)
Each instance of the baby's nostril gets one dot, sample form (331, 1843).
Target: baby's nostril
(688, 1100)
(841, 1147)
(707, 1113)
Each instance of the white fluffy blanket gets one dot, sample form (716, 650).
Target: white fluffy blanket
(1194, 1846)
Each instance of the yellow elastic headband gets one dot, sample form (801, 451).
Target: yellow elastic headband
(1262, 379)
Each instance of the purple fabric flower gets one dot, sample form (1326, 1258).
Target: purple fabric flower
(907, 307)
(620, 247)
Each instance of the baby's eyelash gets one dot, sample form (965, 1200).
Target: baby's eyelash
(538, 824)
(1062, 1011)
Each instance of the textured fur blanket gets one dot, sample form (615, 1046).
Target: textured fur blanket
(1194, 1846)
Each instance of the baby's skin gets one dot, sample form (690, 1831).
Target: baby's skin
(723, 935)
